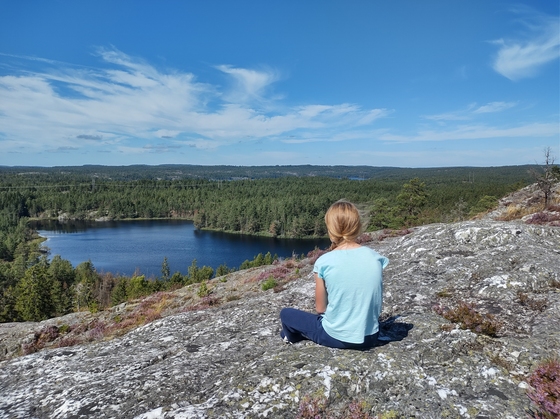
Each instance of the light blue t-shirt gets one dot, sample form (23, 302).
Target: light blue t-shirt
(354, 283)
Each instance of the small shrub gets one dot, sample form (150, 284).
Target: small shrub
(97, 331)
(204, 303)
(203, 290)
(314, 254)
(278, 288)
(233, 297)
(444, 293)
(312, 408)
(67, 341)
(502, 362)
(63, 329)
(545, 391)
(289, 263)
(364, 238)
(357, 410)
(533, 304)
(40, 339)
(468, 318)
(543, 218)
(278, 272)
(269, 283)
(317, 408)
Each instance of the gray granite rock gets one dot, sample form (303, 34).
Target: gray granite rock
(228, 361)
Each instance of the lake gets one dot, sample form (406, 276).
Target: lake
(123, 247)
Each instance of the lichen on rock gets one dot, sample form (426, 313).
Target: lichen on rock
(227, 361)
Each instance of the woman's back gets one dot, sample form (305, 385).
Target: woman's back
(353, 280)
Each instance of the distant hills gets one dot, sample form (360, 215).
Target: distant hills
(186, 171)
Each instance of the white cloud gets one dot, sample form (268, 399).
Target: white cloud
(129, 103)
(450, 116)
(477, 132)
(471, 111)
(495, 107)
(521, 58)
(329, 137)
(250, 84)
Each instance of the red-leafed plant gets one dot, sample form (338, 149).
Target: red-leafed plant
(545, 390)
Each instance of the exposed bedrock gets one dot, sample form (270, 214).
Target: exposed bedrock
(228, 361)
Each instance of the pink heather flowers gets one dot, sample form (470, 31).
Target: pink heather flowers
(545, 392)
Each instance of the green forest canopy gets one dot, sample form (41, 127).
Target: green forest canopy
(285, 201)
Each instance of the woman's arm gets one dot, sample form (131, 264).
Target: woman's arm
(321, 298)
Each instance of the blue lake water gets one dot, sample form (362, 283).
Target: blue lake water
(123, 247)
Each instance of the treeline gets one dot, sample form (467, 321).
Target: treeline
(287, 207)
(32, 287)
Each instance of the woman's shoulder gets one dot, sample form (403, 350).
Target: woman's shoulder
(361, 251)
(368, 252)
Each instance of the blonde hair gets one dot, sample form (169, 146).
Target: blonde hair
(343, 222)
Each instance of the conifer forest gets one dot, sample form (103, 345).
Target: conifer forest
(279, 201)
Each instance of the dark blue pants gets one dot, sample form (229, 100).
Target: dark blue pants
(298, 325)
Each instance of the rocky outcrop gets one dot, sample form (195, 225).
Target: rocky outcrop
(527, 204)
(223, 358)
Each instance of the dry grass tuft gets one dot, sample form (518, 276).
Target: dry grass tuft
(515, 212)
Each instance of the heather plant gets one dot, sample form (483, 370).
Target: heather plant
(312, 408)
(317, 408)
(357, 410)
(40, 340)
(543, 218)
(545, 390)
(204, 303)
(97, 330)
(364, 238)
(314, 254)
(468, 317)
(532, 303)
(278, 272)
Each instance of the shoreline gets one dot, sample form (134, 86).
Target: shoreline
(217, 230)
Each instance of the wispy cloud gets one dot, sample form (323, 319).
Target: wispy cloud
(471, 111)
(494, 107)
(523, 57)
(249, 84)
(477, 132)
(89, 137)
(132, 104)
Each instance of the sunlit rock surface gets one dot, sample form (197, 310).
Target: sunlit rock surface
(228, 361)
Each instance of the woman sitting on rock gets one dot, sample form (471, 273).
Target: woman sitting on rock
(348, 289)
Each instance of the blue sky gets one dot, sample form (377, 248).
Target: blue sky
(380, 83)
